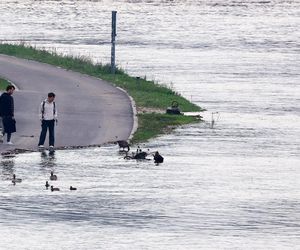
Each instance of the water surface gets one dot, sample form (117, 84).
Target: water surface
(231, 187)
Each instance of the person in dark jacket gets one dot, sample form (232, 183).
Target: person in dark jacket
(7, 113)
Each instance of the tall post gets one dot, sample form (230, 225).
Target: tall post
(113, 41)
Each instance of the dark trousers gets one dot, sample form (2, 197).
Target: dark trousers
(47, 124)
(8, 126)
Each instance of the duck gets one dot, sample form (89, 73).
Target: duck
(53, 177)
(47, 185)
(16, 180)
(73, 188)
(54, 189)
(158, 158)
(140, 155)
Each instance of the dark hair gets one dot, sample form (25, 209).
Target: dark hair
(51, 94)
(9, 87)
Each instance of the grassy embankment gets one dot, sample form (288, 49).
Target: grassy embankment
(3, 84)
(150, 98)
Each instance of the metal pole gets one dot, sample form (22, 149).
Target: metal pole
(113, 41)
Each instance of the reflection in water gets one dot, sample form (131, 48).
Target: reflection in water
(48, 155)
(214, 197)
(48, 163)
(48, 159)
(7, 165)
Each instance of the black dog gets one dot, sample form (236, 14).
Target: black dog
(123, 144)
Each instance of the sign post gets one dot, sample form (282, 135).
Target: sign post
(113, 41)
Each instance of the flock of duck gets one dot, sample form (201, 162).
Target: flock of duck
(53, 177)
(139, 154)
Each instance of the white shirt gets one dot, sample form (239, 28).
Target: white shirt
(48, 111)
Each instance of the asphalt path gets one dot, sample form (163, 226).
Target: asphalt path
(90, 110)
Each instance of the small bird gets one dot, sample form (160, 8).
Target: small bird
(53, 177)
(47, 185)
(73, 188)
(16, 180)
(158, 158)
(54, 189)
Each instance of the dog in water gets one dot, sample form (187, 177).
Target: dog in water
(123, 145)
(158, 158)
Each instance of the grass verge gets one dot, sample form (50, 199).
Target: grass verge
(146, 94)
(3, 84)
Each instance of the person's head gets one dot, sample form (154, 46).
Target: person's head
(10, 89)
(51, 97)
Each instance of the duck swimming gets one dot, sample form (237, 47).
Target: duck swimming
(73, 188)
(53, 177)
(54, 189)
(16, 180)
(47, 185)
(139, 155)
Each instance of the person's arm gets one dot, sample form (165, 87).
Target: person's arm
(40, 111)
(55, 114)
(12, 107)
(1, 105)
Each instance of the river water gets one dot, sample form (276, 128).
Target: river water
(233, 186)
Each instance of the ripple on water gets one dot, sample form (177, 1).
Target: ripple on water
(233, 186)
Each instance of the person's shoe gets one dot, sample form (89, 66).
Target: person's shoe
(9, 143)
(41, 146)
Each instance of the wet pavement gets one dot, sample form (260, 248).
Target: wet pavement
(90, 110)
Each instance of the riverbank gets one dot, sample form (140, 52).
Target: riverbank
(151, 99)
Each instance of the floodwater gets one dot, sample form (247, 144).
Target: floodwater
(233, 186)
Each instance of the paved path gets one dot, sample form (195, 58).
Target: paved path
(90, 111)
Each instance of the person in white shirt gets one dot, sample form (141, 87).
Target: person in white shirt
(48, 117)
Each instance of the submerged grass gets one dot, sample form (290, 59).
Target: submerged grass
(146, 94)
(153, 124)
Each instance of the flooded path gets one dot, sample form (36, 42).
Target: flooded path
(90, 111)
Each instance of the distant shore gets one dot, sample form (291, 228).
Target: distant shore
(151, 99)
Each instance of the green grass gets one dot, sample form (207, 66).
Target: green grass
(3, 84)
(153, 124)
(146, 94)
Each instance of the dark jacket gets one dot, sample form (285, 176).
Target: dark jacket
(6, 105)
